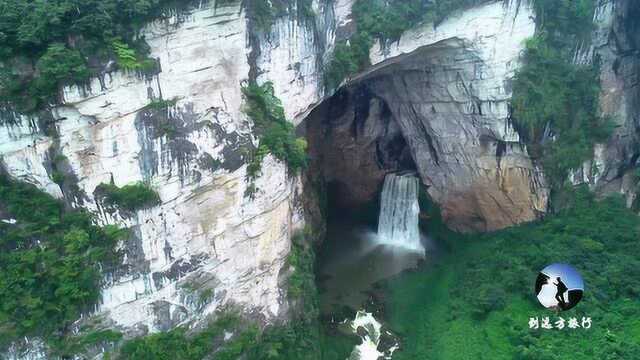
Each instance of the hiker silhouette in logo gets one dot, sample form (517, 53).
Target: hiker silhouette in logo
(561, 288)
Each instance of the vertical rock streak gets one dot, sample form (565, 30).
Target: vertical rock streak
(398, 222)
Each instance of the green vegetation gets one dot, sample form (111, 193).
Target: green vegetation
(62, 38)
(635, 206)
(264, 13)
(476, 304)
(50, 261)
(248, 342)
(68, 346)
(178, 345)
(130, 59)
(129, 197)
(277, 135)
(159, 113)
(58, 177)
(552, 95)
(162, 104)
(301, 259)
(386, 21)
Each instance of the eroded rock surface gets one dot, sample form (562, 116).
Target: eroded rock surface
(616, 44)
(446, 90)
(206, 236)
(435, 101)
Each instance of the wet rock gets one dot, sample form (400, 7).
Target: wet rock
(616, 45)
(388, 342)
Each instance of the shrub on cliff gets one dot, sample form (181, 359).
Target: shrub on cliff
(276, 134)
(555, 101)
(58, 65)
(129, 197)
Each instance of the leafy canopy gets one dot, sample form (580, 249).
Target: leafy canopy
(129, 197)
(556, 101)
(50, 261)
(60, 36)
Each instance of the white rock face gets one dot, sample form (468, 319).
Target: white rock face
(615, 43)
(289, 58)
(449, 88)
(495, 33)
(23, 149)
(207, 245)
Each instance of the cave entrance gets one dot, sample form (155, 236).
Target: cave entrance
(354, 144)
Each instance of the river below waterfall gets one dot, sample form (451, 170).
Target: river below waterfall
(359, 252)
(364, 248)
(352, 261)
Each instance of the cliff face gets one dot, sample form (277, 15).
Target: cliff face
(436, 101)
(444, 92)
(616, 43)
(206, 236)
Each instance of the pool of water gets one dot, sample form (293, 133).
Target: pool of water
(352, 261)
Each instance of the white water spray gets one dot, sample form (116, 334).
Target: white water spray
(371, 335)
(399, 211)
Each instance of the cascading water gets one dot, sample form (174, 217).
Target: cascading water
(399, 211)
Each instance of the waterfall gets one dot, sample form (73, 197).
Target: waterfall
(399, 210)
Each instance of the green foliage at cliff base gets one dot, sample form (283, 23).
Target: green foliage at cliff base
(50, 262)
(477, 302)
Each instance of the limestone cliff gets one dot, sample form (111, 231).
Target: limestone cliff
(436, 101)
(445, 91)
(207, 245)
(616, 45)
